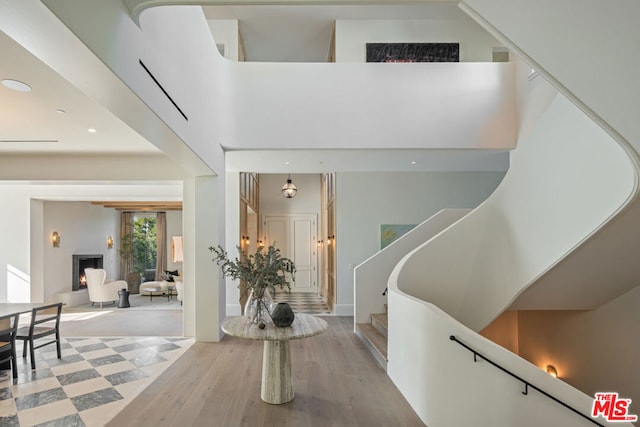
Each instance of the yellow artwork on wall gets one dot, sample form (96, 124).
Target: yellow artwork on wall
(391, 232)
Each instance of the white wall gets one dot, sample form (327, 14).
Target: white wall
(475, 43)
(83, 229)
(232, 231)
(225, 32)
(366, 200)
(14, 252)
(591, 58)
(307, 200)
(579, 344)
(351, 106)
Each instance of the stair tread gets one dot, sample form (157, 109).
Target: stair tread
(375, 337)
(381, 318)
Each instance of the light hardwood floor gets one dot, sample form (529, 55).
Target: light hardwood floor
(336, 382)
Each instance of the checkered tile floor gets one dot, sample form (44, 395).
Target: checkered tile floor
(93, 381)
(303, 302)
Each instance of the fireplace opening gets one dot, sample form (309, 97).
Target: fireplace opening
(80, 262)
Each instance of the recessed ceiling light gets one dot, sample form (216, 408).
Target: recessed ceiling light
(286, 163)
(16, 85)
(92, 130)
(60, 111)
(413, 163)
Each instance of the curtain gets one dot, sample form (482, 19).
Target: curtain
(161, 237)
(126, 254)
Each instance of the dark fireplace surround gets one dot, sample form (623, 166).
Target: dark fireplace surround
(80, 262)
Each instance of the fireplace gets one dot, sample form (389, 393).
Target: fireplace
(80, 262)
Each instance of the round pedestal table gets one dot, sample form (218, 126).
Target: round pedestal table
(277, 384)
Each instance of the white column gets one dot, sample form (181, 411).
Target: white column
(37, 239)
(203, 220)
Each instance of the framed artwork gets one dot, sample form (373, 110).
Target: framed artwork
(391, 232)
(413, 52)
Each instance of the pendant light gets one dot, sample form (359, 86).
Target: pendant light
(289, 190)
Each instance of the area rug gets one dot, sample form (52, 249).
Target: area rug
(136, 302)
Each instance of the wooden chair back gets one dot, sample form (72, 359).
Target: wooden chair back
(46, 313)
(8, 326)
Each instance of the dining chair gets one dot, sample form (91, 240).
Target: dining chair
(8, 326)
(40, 316)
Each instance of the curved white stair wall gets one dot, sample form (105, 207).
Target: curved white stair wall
(446, 388)
(588, 49)
(370, 277)
(567, 179)
(591, 60)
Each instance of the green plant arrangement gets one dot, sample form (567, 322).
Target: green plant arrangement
(262, 272)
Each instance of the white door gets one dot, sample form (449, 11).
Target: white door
(295, 236)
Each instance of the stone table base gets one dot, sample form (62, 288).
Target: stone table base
(277, 384)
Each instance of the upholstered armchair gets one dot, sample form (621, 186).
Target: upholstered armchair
(99, 289)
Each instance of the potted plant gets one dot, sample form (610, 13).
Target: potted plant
(262, 273)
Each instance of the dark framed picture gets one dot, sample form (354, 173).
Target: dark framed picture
(413, 52)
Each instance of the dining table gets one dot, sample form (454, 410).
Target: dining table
(9, 308)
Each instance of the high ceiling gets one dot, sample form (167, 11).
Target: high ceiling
(55, 116)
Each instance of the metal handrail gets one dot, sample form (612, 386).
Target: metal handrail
(526, 383)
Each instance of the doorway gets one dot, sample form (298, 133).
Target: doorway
(295, 236)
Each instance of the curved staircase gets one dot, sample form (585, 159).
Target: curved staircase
(560, 232)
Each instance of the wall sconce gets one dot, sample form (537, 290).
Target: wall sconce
(109, 242)
(55, 239)
(551, 370)
(320, 242)
(260, 244)
(245, 240)
(331, 239)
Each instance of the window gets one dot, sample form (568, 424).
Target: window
(145, 245)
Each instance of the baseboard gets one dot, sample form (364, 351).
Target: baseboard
(343, 310)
